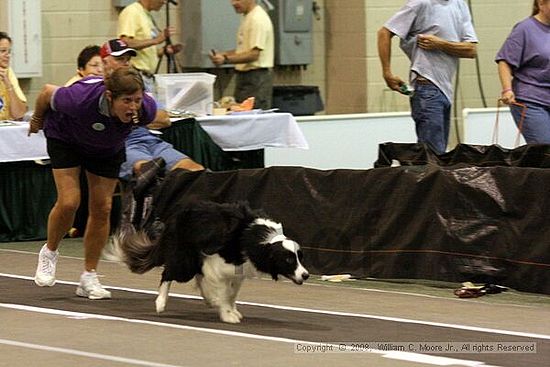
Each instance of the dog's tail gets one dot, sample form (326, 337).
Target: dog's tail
(135, 249)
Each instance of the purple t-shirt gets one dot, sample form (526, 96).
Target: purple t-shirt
(80, 116)
(527, 51)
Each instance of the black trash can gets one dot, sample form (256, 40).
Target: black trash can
(299, 100)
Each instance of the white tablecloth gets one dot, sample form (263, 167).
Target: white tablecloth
(254, 131)
(15, 145)
(229, 132)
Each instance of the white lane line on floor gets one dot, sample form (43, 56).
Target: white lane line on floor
(268, 279)
(405, 356)
(74, 352)
(324, 312)
(433, 360)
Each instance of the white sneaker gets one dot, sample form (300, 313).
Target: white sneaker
(45, 271)
(91, 287)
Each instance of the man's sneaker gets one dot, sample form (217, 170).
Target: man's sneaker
(45, 271)
(91, 287)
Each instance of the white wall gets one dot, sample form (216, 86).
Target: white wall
(481, 128)
(351, 141)
(344, 141)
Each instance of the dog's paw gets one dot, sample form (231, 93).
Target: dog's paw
(230, 316)
(236, 312)
(160, 304)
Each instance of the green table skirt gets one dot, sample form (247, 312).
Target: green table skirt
(27, 193)
(27, 190)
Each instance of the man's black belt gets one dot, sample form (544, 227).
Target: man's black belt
(252, 70)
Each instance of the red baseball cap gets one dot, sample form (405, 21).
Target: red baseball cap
(115, 47)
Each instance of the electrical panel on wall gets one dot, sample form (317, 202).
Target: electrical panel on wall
(22, 21)
(207, 25)
(292, 22)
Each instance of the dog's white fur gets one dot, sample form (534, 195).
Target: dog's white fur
(219, 285)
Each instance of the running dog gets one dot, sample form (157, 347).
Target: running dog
(212, 243)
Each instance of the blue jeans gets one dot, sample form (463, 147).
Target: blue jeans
(141, 145)
(431, 112)
(536, 126)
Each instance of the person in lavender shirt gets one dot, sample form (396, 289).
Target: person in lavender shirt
(524, 71)
(86, 125)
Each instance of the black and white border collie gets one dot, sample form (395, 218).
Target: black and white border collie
(212, 243)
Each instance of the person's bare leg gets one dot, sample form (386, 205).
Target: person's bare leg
(101, 190)
(137, 167)
(188, 164)
(185, 163)
(61, 217)
(60, 220)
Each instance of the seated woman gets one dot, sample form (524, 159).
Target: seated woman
(88, 63)
(13, 103)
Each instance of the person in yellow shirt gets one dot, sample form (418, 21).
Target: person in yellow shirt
(137, 27)
(13, 103)
(254, 55)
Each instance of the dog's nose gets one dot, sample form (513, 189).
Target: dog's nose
(305, 276)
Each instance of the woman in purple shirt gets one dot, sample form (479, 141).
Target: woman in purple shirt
(86, 125)
(524, 71)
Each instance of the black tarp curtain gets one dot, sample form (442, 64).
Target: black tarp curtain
(486, 223)
(483, 217)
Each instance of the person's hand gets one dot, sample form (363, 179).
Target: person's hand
(428, 41)
(36, 124)
(169, 32)
(165, 34)
(4, 76)
(393, 81)
(217, 58)
(508, 97)
(173, 49)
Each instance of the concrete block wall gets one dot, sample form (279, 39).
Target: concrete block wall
(346, 66)
(68, 26)
(493, 21)
(346, 56)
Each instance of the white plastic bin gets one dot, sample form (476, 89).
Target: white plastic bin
(192, 92)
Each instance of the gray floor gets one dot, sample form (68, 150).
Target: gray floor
(53, 327)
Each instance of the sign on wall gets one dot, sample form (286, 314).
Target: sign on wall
(22, 20)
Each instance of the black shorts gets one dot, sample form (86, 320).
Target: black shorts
(64, 155)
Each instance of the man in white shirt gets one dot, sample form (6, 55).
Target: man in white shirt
(434, 35)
